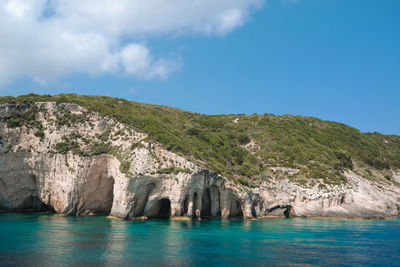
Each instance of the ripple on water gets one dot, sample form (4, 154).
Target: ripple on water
(49, 240)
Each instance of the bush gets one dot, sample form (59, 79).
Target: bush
(65, 117)
(65, 147)
(345, 162)
(99, 148)
(104, 136)
(125, 167)
(173, 170)
(40, 133)
(193, 131)
(23, 116)
(247, 182)
(243, 139)
(323, 148)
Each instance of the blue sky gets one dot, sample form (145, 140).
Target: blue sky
(336, 60)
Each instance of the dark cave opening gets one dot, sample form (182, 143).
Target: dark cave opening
(141, 199)
(288, 211)
(206, 204)
(285, 210)
(253, 210)
(194, 207)
(185, 206)
(160, 209)
(236, 209)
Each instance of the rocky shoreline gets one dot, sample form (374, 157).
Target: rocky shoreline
(35, 177)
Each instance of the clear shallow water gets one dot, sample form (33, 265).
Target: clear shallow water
(51, 240)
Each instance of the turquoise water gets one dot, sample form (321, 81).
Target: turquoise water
(50, 240)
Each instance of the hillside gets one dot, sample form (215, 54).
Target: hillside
(247, 149)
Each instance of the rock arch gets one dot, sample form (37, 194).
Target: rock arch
(141, 198)
(206, 204)
(235, 209)
(281, 210)
(289, 211)
(210, 205)
(254, 210)
(96, 196)
(195, 206)
(108, 194)
(185, 206)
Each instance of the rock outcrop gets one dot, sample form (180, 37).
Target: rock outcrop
(138, 179)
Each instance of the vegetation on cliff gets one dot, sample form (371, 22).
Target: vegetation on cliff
(245, 148)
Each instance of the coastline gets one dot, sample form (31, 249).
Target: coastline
(184, 218)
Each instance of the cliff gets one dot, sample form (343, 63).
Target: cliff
(72, 158)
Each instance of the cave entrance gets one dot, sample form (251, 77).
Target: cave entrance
(253, 210)
(215, 201)
(141, 199)
(288, 212)
(160, 209)
(109, 196)
(236, 209)
(96, 194)
(33, 203)
(194, 207)
(285, 210)
(210, 202)
(165, 208)
(206, 204)
(185, 206)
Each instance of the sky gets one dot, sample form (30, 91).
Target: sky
(337, 60)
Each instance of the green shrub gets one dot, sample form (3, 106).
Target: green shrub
(325, 149)
(104, 136)
(247, 182)
(243, 139)
(136, 145)
(23, 116)
(40, 133)
(125, 167)
(65, 147)
(173, 170)
(99, 148)
(344, 161)
(193, 131)
(67, 118)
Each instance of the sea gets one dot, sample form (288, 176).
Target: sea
(46, 239)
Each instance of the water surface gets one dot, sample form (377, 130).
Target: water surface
(51, 240)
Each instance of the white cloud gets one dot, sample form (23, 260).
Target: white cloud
(49, 39)
(136, 61)
(229, 20)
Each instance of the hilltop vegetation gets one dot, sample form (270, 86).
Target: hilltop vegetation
(245, 148)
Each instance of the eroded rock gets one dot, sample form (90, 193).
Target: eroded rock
(35, 177)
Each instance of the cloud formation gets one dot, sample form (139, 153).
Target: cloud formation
(50, 39)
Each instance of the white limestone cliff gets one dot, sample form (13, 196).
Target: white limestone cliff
(35, 177)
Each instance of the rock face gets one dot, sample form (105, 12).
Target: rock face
(134, 182)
